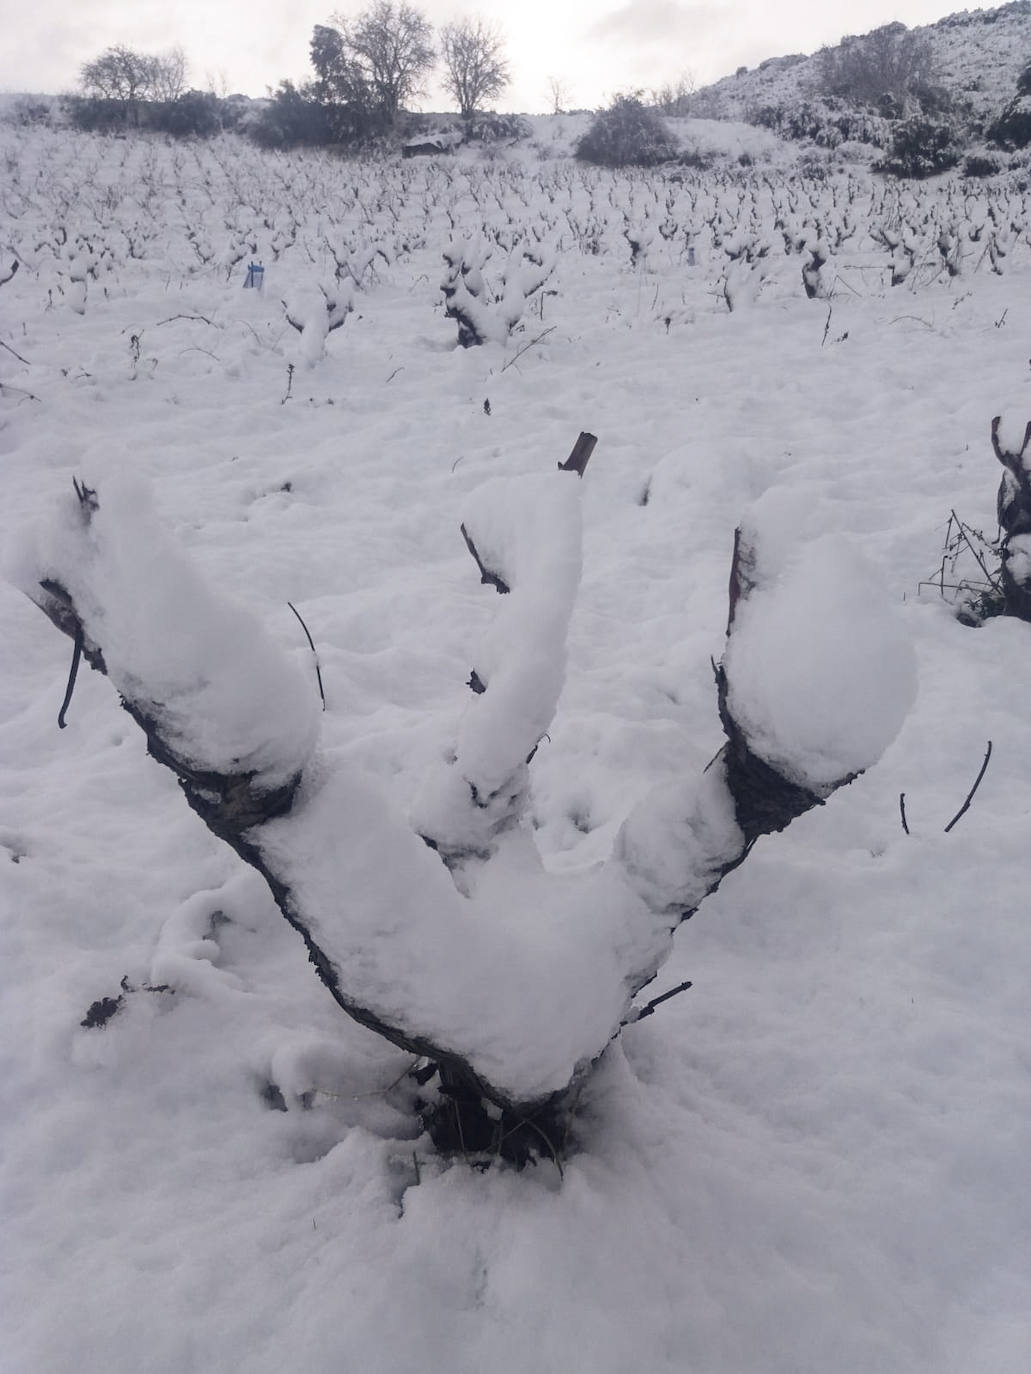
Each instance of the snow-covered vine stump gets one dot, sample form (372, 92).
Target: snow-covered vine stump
(508, 980)
(488, 312)
(1014, 512)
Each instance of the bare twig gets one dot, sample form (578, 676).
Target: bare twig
(87, 497)
(846, 283)
(19, 391)
(970, 795)
(248, 325)
(202, 318)
(72, 675)
(649, 1008)
(17, 355)
(373, 1092)
(533, 342)
(318, 670)
(902, 811)
(978, 557)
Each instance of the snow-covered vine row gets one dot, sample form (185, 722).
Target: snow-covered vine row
(86, 218)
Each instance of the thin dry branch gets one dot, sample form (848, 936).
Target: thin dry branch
(202, 319)
(977, 783)
(315, 652)
(15, 353)
(19, 391)
(533, 342)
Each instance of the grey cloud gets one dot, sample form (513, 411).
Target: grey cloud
(648, 23)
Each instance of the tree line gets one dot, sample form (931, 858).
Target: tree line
(367, 70)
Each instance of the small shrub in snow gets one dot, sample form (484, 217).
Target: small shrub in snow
(486, 313)
(497, 128)
(1013, 127)
(978, 165)
(920, 148)
(315, 317)
(827, 123)
(627, 134)
(694, 157)
(27, 110)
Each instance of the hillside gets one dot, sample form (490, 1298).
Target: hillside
(978, 56)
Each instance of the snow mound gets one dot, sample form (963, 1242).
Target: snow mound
(228, 700)
(821, 671)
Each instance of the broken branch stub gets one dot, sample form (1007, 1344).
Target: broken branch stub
(580, 455)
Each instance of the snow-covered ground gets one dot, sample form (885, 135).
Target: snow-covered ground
(814, 1161)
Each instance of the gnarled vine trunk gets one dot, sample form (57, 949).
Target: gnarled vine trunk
(403, 922)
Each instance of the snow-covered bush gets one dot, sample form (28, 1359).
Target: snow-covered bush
(827, 123)
(316, 315)
(920, 148)
(194, 114)
(627, 134)
(887, 65)
(980, 165)
(485, 312)
(1013, 127)
(497, 128)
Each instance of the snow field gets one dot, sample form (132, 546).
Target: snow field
(812, 1161)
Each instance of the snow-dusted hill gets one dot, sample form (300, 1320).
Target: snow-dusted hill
(978, 56)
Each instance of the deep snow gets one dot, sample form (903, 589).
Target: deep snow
(815, 1159)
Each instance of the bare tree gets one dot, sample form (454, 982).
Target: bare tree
(121, 74)
(888, 64)
(558, 94)
(217, 82)
(674, 97)
(342, 87)
(392, 45)
(475, 69)
(170, 74)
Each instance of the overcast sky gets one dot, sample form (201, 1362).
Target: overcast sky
(595, 48)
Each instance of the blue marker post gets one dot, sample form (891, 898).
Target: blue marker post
(255, 276)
